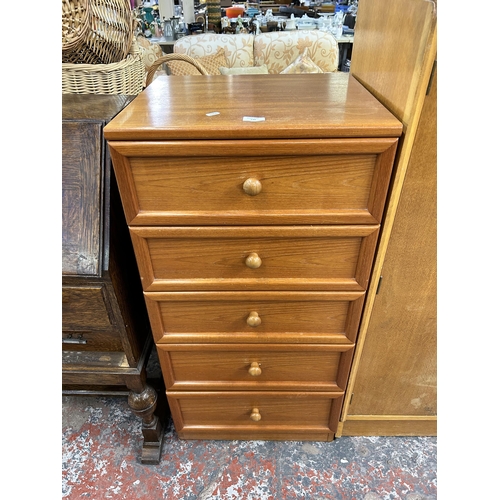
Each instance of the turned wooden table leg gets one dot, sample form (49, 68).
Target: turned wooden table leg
(143, 405)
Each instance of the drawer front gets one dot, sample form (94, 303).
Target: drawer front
(255, 258)
(264, 317)
(91, 341)
(235, 182)
(255, 415)
(84, 308)
(255, 367)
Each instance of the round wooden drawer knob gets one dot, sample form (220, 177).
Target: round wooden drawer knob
(254, 319)
(253, 261)
(255, 369)
(252, 186)
(255, 415)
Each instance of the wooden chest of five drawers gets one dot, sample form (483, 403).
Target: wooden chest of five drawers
(254, 241)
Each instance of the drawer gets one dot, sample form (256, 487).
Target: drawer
(255, 367)
(92, 341)
(309, 181)
(85, 308)
(255, 258)
(263, 317)
(271, 415)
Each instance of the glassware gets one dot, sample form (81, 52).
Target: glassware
(167, 28)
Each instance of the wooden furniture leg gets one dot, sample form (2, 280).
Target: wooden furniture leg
(143, 400)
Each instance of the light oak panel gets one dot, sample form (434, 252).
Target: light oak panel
(172, 184)
(402, 315)
(269, 433)
(401, 344)
(384, 425)
(390, 52)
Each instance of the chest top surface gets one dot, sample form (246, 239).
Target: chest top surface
(299, 106)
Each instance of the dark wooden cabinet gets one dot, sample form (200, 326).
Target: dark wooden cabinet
(106, 335)
(395, 57)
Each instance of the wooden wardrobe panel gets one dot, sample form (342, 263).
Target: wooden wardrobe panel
(390, 49)
(401, 344)
(397, 338)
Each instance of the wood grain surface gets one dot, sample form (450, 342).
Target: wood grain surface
(255, 241)
(177, 108)
(303, 181)
(286, 317)
(227, 367)
(393, 56)
(312, 257)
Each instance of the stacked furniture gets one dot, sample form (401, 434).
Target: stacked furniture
(255, 220)
(106, 335)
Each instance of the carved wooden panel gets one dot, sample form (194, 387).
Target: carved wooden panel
(81, 192)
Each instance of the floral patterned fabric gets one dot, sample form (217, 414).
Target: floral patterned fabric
(278, 49)
(303, 64)
(150, 53)
(211, 63)
(238, 49)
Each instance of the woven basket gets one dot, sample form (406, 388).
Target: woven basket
(124, 77)
(109, 34)
(75, 25)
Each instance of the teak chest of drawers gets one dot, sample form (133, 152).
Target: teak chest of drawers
(254, 239)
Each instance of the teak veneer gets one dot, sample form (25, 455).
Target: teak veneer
(255, 241)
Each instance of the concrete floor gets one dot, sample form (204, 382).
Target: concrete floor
(102, 439)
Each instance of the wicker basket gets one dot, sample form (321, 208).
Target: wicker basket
(75, 25)
(173, 57)
(108, 36)
(124, 77)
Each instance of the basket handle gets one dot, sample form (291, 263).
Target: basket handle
(173, 57)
